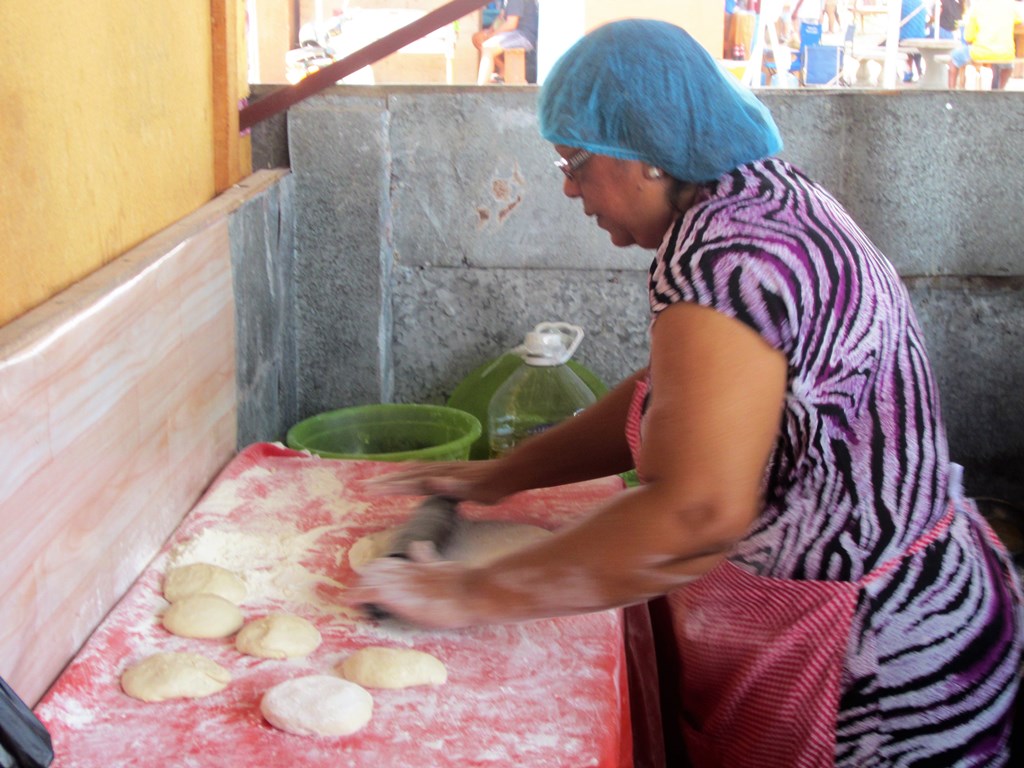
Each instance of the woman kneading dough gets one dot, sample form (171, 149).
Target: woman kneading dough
(835, 598)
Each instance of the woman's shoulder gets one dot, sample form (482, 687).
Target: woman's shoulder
(767, 198)
(765, 177)
(765, 224)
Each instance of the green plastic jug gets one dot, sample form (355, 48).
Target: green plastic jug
(474, 393)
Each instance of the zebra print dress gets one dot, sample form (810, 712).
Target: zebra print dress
(860, 469)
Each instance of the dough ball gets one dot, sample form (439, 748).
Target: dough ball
(203, 578)
(203, 616)
(317, 705)
(278, 636)
(174, 676)
(378, 667)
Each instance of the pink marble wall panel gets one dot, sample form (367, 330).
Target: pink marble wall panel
(117, 408)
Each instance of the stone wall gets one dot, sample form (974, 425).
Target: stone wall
(264, 283)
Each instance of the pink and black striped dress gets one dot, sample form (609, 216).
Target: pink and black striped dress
(857, 490)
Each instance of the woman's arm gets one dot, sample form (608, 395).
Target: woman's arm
(506, 24)
(717, 398)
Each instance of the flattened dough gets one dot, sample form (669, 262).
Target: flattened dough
(203, 616)
(474, 542)
(379, 667)
(203, 578)
(174, 676)
(278, 636)
(317, 705)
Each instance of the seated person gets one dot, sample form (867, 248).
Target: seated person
(913, 25)
(988, 36)
(514, 28)
(952, 11)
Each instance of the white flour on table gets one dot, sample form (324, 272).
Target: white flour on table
(269, 561)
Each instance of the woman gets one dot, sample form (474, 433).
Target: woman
(835, 600)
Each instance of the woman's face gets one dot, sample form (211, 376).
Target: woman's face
(631, 207)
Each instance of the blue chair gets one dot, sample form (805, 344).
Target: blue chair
(823, 65)
(810, 34)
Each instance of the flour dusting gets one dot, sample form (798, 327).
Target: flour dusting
(266, 556)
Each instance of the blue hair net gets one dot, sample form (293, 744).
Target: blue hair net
(641, 89)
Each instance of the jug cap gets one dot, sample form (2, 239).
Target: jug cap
(550, 344)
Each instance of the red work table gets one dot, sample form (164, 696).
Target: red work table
(543, 693)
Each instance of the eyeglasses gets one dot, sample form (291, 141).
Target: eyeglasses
(569, 165)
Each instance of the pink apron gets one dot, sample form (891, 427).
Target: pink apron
(762, 658)
(761, 663)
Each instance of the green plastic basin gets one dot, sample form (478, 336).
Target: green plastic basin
(388, 432)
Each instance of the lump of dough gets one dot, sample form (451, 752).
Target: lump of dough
(174, 676)
(317, 705)
(203, 616)
(368, 548)
(278, 636)
(203, 578)
(379, 667)
(480, 542)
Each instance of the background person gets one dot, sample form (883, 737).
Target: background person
(950, 14)
(514, 28)
(832, 13)
(834, 598)
(913, 25)
(988, 36)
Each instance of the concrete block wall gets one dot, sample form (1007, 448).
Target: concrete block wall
(432, 232)
(264, 283)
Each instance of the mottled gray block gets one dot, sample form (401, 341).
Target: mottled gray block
(932, 177)
(341, 161)
(813, 136)
(974, 330)
(474, 184)
(262, 264)
(449, 321)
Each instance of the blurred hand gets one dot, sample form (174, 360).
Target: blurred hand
(423, 591)
(465, 480)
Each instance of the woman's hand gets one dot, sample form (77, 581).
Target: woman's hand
(464, 480)
(425, 591)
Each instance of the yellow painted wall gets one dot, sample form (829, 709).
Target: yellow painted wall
(106, 134)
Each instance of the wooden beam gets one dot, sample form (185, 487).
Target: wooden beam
(232, 152)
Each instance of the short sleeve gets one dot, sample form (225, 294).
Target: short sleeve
(732, 270)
